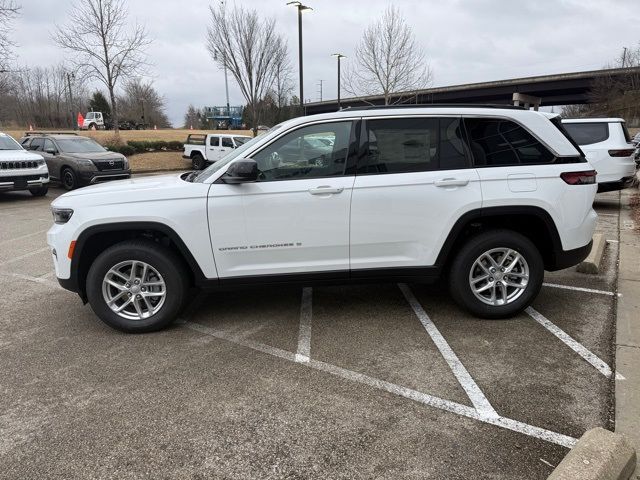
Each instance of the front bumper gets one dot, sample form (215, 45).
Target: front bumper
(93, 177)
(23, 182)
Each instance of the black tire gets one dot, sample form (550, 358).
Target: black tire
(459, 283)
(68, 178)
(39, 191)
(163, 260)
(198, 162)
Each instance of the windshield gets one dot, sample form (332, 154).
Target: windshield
(8, 143)
(232, 155)
(79, 145)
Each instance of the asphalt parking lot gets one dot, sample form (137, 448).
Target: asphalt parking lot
(373, 381)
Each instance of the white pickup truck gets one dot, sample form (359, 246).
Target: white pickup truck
(202, 149)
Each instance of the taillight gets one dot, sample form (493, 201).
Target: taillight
(587, 177)
(624, 152)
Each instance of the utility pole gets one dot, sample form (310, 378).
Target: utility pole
(624, 56)
(73, 120)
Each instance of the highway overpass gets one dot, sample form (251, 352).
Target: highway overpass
(560, 89)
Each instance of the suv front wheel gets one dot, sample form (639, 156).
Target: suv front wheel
(496, 274)
(137, 286)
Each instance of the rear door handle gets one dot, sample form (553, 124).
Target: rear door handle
(451, 182)
(324, 190)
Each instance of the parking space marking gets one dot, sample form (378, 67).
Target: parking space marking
(304, 334)
(471, 388)
(21, 237)
(573, 344)
(578, 289)
(29, 278)
(408, 393)
(26, 255)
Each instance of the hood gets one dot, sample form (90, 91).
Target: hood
(95, 155)
(18, 155)
(133, 191)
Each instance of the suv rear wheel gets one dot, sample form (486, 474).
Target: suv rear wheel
(137, 286)
(496, 274)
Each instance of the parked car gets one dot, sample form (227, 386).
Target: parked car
(75, 160)
(203, 149)
(485, 199)
(607, 145)
(21, 170)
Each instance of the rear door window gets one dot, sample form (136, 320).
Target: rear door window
(588, 133)
(501, 142)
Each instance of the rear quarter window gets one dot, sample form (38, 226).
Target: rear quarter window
(587, 133)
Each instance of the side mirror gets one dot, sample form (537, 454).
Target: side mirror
(52, 151)
(241, 171)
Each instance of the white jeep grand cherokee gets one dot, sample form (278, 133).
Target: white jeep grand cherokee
(21, 170)
(487, 198)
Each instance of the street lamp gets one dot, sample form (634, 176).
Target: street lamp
(338, 56)
(300, 8)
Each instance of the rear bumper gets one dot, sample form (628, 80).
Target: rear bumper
(621, 184)
(569, 258)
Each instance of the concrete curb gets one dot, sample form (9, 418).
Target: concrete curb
(591, 264)
(627, 390)
(598, 455)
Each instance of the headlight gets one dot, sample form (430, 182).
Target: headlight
(84, 161)
(61, 215)
(126, 163)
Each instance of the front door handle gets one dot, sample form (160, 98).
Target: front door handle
(450, 182)
(324, 190)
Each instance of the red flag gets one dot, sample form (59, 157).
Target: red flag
(80, 120)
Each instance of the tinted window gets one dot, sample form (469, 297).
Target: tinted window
(227, 142)
(414, 145)
(401, 145)
(627, 135)
(36, 144)
(587, 133)
(214, 141)
(300, 154)
(241, 140)
(48, 145)
(497, 142)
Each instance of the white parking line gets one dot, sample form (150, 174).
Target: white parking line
(304, 334)
(578, 289)
(472, 389)
(40, 280)
(26, 255)
(426, 399)
(573, 344)
(22, 237)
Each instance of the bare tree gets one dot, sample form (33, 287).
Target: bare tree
(388, 60)
(251, 50)
(142, 102)
(8, 11)
(105, 47)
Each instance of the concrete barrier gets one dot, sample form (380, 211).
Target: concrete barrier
(591, 264)
(598, 455)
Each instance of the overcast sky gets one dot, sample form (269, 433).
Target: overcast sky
(465, 41)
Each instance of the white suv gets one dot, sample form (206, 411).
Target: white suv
(21, 170)
(607, 145)
(487, 197)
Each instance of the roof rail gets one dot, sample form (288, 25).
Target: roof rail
(36, 132)
(437, 105)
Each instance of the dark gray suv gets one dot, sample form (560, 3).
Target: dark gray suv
(75, 160)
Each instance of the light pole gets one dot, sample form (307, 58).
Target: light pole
(226, 81)
(300, 8)
(338, 56)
